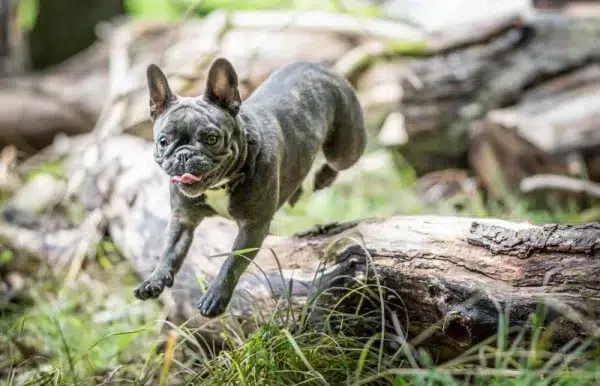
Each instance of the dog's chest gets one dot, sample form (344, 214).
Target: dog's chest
(218, 200)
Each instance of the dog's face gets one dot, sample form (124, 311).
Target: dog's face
(194, 137)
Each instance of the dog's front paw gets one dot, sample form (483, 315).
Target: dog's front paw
(154, 285)
(214, 301)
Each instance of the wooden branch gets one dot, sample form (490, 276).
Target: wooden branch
(537, 136)
(12, 43)
(327, 21)
(464, 35)
(439, 42)
(543, 182)
(560, 114)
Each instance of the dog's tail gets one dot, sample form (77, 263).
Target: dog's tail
(346, 140)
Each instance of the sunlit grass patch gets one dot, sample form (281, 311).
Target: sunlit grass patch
(77, 331)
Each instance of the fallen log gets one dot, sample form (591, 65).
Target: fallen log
(446, 279)
(551, 130)
(462, 85)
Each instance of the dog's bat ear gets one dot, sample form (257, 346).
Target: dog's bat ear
(222, 86)
(160, 92)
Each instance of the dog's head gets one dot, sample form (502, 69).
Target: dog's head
(195, 138)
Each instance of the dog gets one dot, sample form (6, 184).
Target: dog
(245, 160)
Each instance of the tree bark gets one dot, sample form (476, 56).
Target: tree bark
(12, 45)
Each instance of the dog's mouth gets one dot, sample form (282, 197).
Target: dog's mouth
(186, 179)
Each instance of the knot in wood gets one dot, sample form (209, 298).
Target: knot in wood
(457, 326)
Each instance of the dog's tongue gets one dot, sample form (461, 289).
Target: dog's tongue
(187, 178)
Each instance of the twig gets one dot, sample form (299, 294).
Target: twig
(91, 234)
(557, 182)
(327, 21)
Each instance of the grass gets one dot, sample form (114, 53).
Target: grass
(76, 330)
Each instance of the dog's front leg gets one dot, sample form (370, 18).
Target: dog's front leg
(180, 233)
(217, 296)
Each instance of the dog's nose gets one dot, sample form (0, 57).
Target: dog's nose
(183, 157)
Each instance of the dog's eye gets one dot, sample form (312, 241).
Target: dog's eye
(211, 139)
(163, 142)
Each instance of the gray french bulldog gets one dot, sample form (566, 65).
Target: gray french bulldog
(244, 161)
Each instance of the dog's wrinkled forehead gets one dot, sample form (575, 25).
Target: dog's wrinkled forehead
(191, 115)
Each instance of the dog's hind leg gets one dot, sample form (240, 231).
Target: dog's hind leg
(324, 177)
(295, 196)
(346, 140)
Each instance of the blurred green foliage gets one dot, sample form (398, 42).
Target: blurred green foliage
(173, 8)
(27, 13)
(164, 9)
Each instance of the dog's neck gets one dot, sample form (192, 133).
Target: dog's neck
(234, 173)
